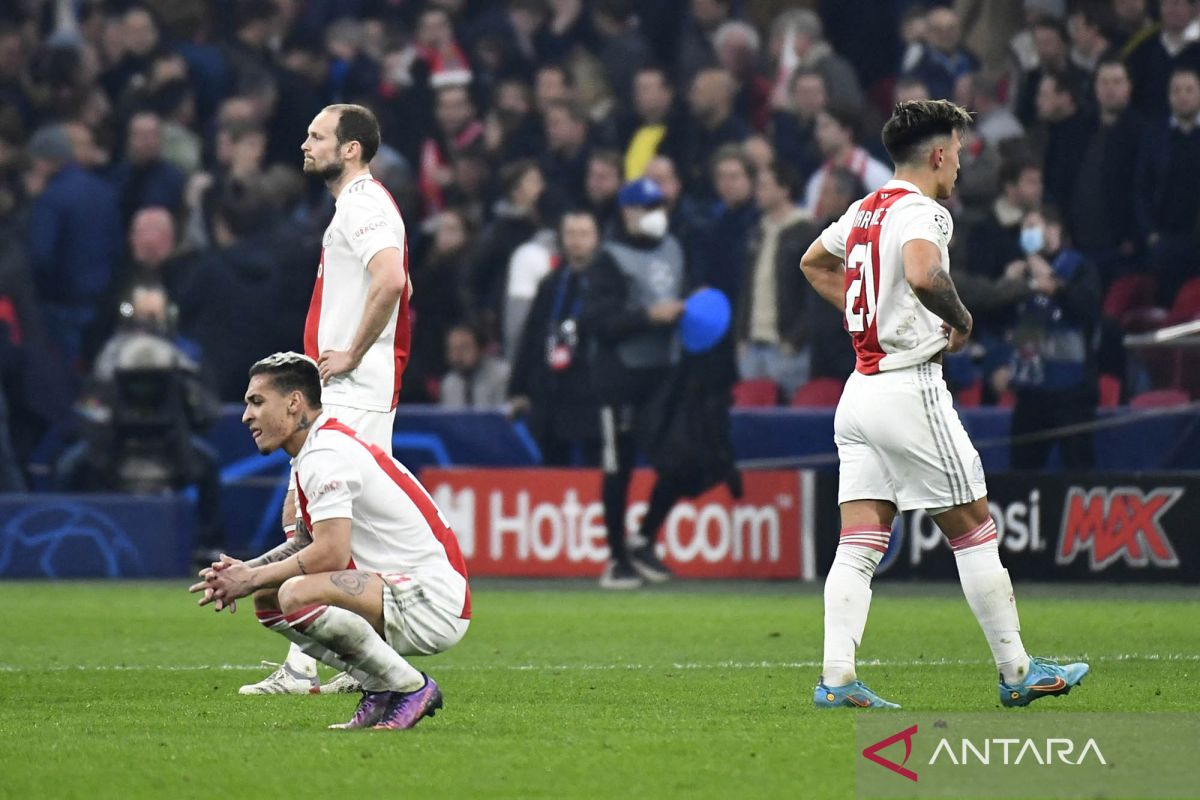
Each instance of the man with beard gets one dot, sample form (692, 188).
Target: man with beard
(358, 322)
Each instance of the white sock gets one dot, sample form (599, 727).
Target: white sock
(273, 619)
(989, 593)
(353, 642)
(299, 661)
(848, 598)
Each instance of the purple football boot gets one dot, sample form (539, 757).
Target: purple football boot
(407, 709)
(370, 710)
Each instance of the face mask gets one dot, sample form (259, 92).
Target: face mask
(654, 224)
(1032, 240)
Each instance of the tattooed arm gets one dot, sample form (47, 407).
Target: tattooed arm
(932, 284)
(300, 539)
(328, 551)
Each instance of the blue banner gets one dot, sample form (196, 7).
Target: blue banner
(94, 536)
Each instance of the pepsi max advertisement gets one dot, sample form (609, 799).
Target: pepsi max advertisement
(1111, 527)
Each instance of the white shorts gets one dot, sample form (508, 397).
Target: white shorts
(373, 427)
(422, 614)
(899, 439)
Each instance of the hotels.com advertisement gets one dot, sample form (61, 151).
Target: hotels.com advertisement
(550, 523)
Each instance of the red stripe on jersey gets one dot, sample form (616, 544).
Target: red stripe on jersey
(304, 508)
(424, 503)
(313, 321)
(867, 349)
(402, 338)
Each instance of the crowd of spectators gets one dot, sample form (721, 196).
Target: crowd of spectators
(156, 144)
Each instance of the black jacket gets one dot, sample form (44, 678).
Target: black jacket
(790, 285)
(1118, 166)
(562, 401)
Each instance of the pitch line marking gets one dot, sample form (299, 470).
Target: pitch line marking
(729, 665)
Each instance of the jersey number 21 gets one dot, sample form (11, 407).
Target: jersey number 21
(859, 269)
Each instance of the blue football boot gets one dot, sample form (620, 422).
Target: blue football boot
(853, 695)
(1045, 679)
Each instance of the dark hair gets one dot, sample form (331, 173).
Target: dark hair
(357, 124)
(578, 211)
(1066, 84)
(805, 72)
(915, 122)
(248, 12)
(847, 118)
(1053, 24)
(605, 156)
(511, 174)
(572, 109)
(471, 330)
(617, 10)
(1012, 170)
(1111, 61)
(786, 176)
(291, 372)
(850, 184)
(1186, 70)
(732, 152)
(1098, 16)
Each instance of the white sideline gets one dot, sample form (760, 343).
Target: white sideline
(1181, 657)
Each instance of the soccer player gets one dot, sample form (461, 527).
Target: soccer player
(899, 439)
(358, 324)
(406, 592)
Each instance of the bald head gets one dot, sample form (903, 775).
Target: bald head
(152, 236)
(711, 96)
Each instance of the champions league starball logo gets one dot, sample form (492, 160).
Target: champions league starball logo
(64, 540)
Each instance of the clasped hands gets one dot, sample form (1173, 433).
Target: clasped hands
(223, 583)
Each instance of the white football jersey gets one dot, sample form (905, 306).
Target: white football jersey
(395, 525)
(889, 326)
(366, 221)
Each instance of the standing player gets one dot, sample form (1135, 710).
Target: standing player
(357, 328)
(899, 439)
(408, 594)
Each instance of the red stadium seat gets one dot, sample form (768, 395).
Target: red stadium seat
(1129, 292)
(755, 393)
(1160, 398)
(1110, 391)
(1187, 303)
(1006, 399)
(970, 396)
(1143, 320)
(819, 392)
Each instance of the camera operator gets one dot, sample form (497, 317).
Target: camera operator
(142, 414)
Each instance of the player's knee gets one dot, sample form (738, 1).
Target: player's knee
(292, 595)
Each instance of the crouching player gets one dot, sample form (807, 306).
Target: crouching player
(405, 591)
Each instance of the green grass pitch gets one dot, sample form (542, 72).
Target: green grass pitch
(128, 690)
